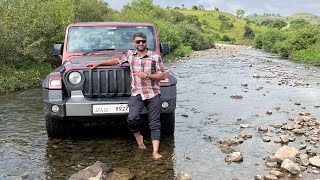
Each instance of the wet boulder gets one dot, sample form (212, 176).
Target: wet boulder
(183, 176)
(270, 177)
(286, 152)
(304, 161)
(290, 166)
(234, 157)
(315, 161)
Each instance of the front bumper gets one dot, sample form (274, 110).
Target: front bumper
(79, 106)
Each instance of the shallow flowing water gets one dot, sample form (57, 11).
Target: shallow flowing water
(206, 112)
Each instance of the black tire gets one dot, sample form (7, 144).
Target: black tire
(57, 128)
(168, 123)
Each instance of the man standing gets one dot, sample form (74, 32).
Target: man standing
(146, 70)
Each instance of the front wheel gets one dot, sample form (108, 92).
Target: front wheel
(168, 123)
(57, 128)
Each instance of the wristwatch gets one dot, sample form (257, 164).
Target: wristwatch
(147, 76)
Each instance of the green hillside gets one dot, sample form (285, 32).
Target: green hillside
(313, 19)
(223, 24)
(258, 18)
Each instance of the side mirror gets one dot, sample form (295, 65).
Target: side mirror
(57, 49)
(164, 49)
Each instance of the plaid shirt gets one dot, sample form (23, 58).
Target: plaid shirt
(151, 64)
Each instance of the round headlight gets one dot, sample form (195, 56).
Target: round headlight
(75, 78)
(165, 104)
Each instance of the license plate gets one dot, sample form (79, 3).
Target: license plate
(110, 108)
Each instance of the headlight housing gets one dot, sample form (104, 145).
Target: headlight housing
(74, 78)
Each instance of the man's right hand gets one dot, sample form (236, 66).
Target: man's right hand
(92, 65)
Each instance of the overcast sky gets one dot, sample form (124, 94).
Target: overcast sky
(282, 7)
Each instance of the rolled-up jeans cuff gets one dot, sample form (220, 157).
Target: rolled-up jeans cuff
(155, 134)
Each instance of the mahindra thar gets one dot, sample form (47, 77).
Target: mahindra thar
(74, 93)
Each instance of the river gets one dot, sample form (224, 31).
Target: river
(215, 95)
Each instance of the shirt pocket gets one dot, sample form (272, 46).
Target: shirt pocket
(149, 65)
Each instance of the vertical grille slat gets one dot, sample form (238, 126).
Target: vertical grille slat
(98, 84)
(106, 83)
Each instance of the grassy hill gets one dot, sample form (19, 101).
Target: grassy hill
(223, 24)
(258, 18)
(313, 19)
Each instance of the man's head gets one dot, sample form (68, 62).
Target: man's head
(140, 41)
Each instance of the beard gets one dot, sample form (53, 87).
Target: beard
(141, 48)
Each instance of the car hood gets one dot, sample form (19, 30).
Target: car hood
(77, 61)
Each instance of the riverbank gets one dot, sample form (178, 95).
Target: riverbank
(218, 51)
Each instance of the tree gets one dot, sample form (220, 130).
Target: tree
(240, 13)
(201, 7)
(248, 32)
(194, 8)
(279, 24)
(299, 23)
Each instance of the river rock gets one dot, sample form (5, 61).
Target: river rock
(234, 157)
(299, 131)
(315, 161)
(304, 113)
(290, 166)
(263, 129)
(100, 171)
(270, 177)
(269, 112)
(259, 177)
(284, 138)
(96, 171)
(286, 152)
(244, 125)
(183, 176)
(304, 160)
(277, 173)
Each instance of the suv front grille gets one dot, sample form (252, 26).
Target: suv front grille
(105, 83)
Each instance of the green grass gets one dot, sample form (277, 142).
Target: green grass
(213, 24)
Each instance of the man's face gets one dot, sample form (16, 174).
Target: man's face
(140, 43)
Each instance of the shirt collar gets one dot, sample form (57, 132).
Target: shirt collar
(135, 52)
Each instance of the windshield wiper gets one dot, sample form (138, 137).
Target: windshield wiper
(97, 50)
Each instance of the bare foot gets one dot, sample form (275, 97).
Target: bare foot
(140, 143)
(156, 156)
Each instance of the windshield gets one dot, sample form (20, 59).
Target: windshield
(119, 38)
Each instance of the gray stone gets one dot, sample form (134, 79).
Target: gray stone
(284, 138)
(286, 152)
(96, 171)
(290, 166)
(315, 161)
(183, 176)
(270, 177)
(234, 157)
(304, 160)
(259, 177)
(263, 128)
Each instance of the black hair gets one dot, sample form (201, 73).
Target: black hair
(139, 34)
